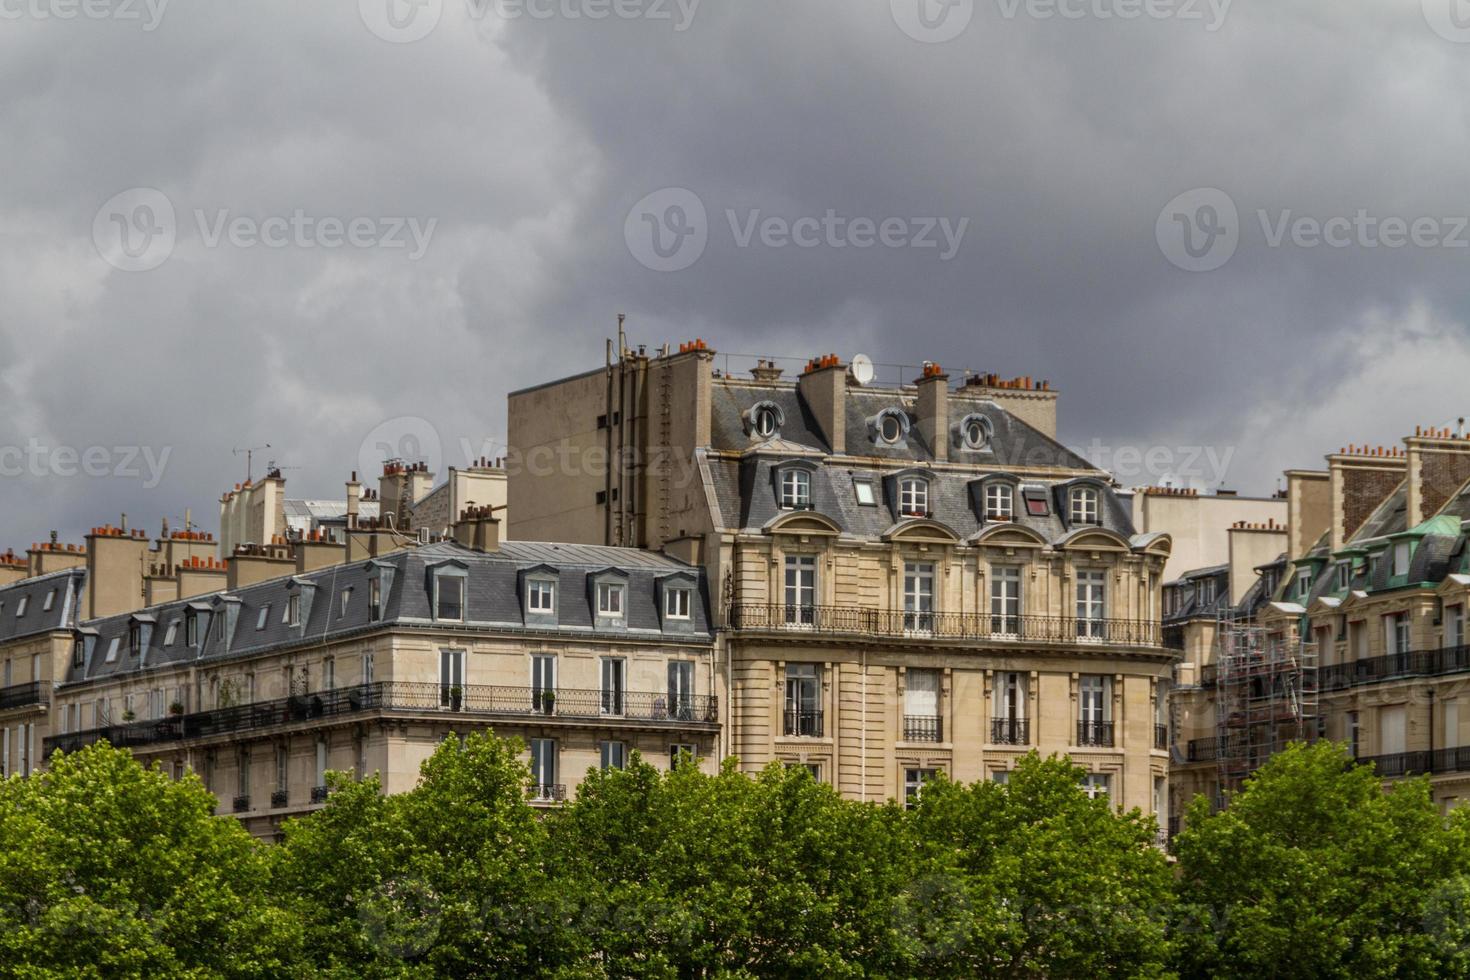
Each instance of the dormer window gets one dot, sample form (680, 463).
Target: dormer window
(79, 652)
(541, 596)
(1000, 501)
(135, 638)
(1401, 552)
(1303, 583)
(610, 599)
(974, 432)
(375, 600)
(892, 425)
(293, 609)
(676, 604)
(191, 628)
(913, 497)
(448, 597)
(1343, 571)
(796, 489)
(767, 424)
(1083, 508)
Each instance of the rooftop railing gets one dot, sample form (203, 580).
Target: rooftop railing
(487, 701)
(852, 619)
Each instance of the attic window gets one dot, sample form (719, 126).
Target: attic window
(1303, 582)
(20, 607)
(1343, 571)
(610, 599)
(135, 638)
(891, 426)
(1083, 507)
(1036, 505)
(191, 628)
(112, 650)
(50, 600)
(1401, 558)
(1000, 500)
(767, 423)
(292, 615)
(78, 657)
(345, 602)
(975, 432)
(913, 497)
(260, 621)
(796, 489)
(449, 597)
(172, 633)
(864, 491)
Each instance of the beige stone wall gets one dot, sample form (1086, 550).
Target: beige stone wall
(1199, 524)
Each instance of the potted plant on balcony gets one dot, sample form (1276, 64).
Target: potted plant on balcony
(128, 715)
(176, 709)
(456, 698)
(548, 701)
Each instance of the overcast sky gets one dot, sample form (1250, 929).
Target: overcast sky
(331, 224)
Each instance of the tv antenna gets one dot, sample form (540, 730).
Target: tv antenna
(250, 452)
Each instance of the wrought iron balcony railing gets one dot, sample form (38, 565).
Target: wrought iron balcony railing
(945, 625)
(24, 695)
(1393, 666)
(1202, 749)
(923, 728)
(279, 799)
(1161, 736)
(1099, 733)
(547, 792)
(1431, 762)
(1010, 731)
(241, 804)
(803, 723)
(490, 702)
(319, 794)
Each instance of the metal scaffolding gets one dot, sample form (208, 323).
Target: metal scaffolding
(1266, 695)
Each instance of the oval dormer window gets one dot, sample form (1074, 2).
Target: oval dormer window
(766, 424)
(890, 427)
(975, 432)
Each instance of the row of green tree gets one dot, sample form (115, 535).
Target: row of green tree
(108, 869)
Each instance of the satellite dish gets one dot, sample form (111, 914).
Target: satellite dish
(861, 368)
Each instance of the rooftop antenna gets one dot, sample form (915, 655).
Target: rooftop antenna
(250, 452)
(861, 368)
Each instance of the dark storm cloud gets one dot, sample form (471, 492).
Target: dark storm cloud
(527, 133)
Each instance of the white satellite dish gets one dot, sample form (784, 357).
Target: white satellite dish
(861, 368)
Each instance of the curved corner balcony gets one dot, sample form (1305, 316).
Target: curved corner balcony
(971, 627)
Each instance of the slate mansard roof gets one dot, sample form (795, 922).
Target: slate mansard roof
(494, 596)
(25, 609)
(742, 468)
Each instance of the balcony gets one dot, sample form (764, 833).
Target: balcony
(923, 728)
(861, 621)
(241, 804)
(1202, 749)
(1435, 762)
(1096, 733)
(1394, 666)
(278, 799)
(513, 704)
(1161, 736)
(24, 695)
(319, 794)
(802, 724)
(547, 792)
(1010, 731)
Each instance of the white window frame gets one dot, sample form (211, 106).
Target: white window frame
(1006, 607)
(677, 603)
(863, 491)
(974, 422)
(1402, 551)
(1098, 785)
(170, 634)
(611, 599)
(799, 589)
(613, 754)
(1084, 505)
(1000, 501)
(918, 596)
(1092, 603)
(291, 615)
(796, 489)
(543, 768)
(541, 596)
(20, 606)
(676, 748)
(375, 599)
(50, 601)
(766, 422)
(612, 686)
(440, 578)
(913, 496)
(884, 420)
(263, 617)
(914, 778)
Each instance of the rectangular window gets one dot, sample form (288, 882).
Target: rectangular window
(610, 600)
(112, 646)
(681, 689)
(1303, 583)
(343, 603)
(191, 629)
(1091, 596)
(921, 706)
(864, 492)
(135, 638)
(451, 678)
(1008, 721)
(20, 607)
(1098, 786)
(1392, 729)
(375, 600)
(1450, 712)
(449, 593)
(1401, 558)
(543, 768)
(264, 616)
(367, 668)
(543, 682)
(918, 596)
(676, 603)
(999, 501)
(614, 676)
(171, 633)
(1005, 599)
(913, 498)
(541, 596)
(801, 590)
(1084, 505)
(796, 489)
(1354, 733)
(1344, 572)
(242, 775)
(50, 601)
(913, 784)
(329, 674)
(1396, 633)
(292, 614)
(320, 782)
(803, 705)
(283, 762)
(1093, 710)
(1036, 503)
(681, 751)
(614, 755)
(1454, 629)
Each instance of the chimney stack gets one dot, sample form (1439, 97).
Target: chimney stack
(933, 410)
(823, 386)
(354, 495)
(478, 528)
